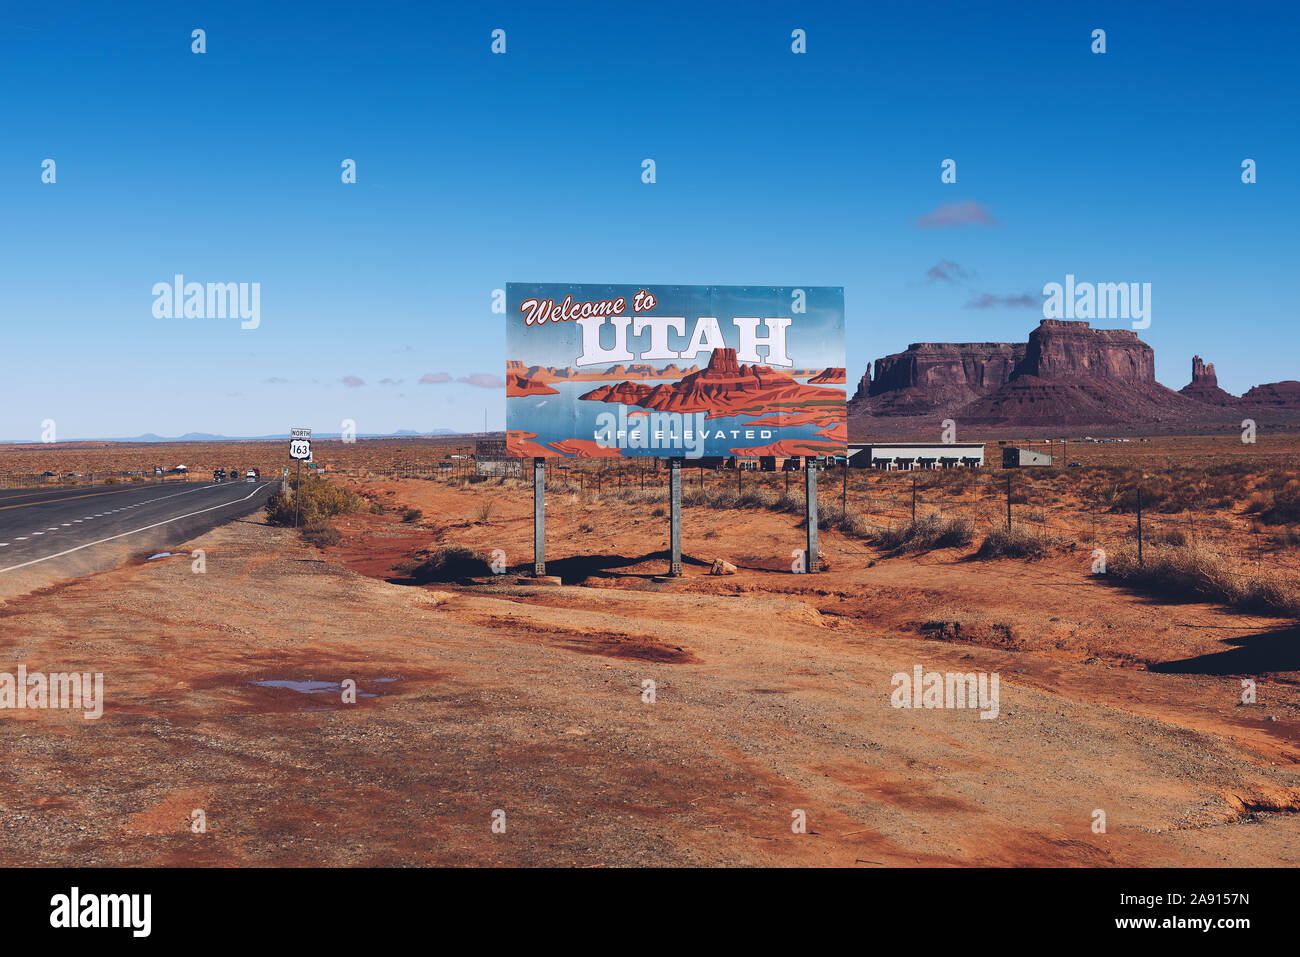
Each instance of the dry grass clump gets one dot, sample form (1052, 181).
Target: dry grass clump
(926, 534)
(446, 564)
(321, 535)
(1018, 541)
(1279, 507)
(1197, 572)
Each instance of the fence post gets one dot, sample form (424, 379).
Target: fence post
(1140, 526)
(1008, 502)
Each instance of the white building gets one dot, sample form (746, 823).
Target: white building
(916, 455)
(1014, 457)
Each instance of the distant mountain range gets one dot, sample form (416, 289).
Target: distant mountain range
(150, 437)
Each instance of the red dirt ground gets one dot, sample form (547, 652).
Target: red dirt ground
(772, 695)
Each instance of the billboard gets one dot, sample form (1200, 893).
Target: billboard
(674, 371)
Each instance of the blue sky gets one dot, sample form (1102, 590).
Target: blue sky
(476, 169)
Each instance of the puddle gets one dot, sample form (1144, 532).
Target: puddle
(314, 687)
(163, 555)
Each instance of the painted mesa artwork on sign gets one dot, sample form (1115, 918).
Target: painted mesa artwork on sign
(674, 371)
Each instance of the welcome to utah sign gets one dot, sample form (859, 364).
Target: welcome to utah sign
(674, 371)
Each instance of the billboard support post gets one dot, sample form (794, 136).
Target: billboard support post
(675, 519)
(539, 516)
(814, 562)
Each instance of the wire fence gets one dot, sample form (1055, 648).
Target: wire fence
(1053, 503)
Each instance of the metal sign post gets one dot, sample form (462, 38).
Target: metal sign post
(675, 519)
(539, 516)
(299, 449)
(813, 562)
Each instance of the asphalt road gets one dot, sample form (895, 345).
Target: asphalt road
(60, 532)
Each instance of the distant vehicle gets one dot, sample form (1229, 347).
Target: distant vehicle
(218, 475)
(157, 470)
(1075, 465)
(251, 475)
(50, 475)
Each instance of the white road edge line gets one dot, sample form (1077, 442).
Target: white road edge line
(177, 518)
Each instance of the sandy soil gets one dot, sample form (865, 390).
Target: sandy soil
(772, 695)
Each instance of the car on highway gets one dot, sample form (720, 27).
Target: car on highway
(251, 475)
(218, 475)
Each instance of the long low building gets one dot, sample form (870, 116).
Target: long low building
(916, 455)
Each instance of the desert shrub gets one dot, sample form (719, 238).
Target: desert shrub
(1014, 542)
(794, 500)
(1160, 535)
(1197, 572)
(411, 515)
(851, 524)
(321, 535)
(1106, 495)
(1278, 481)
(318, 500)
(1258, 502)
(485, 511)
(1285, 507)
(449, 563)
(926, 534)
